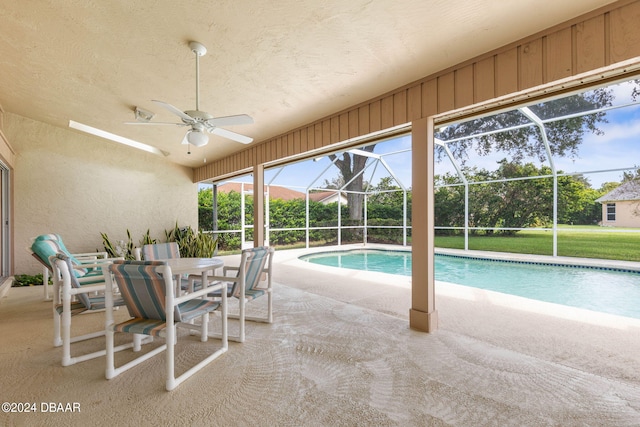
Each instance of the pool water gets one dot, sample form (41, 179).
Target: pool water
(604, 290)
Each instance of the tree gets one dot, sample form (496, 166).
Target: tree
(608, 186)
(350, 167)
(630, 176)
(577, 201)
(335, 183)
(205, 214)
(515, 203)
(565, 136)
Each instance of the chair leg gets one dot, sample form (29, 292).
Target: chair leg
(225, 324)
(204, 327)
(138, 340)
(110, 369)
(45, 283)
(171, 346)
(66, 330)
(57, 339)
(241, 319)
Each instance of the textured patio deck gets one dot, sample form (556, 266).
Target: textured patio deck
(341, 353)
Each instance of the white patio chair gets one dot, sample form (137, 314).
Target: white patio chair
(47, 245)
(148, 291)
(71, 298)
(248, 284)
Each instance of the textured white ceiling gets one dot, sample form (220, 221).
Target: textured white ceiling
(285, 63)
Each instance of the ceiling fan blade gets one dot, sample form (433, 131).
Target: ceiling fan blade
(174, 110)
(232, 135)
(155, 123)
(240, 119)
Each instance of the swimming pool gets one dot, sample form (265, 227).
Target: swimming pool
(599, 289)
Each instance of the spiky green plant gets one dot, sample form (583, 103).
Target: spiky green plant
(192, 243)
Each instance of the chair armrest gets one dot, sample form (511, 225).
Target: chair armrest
(88, 289)
(96, 265)
(202, 292)
(229, 268)
(90, 255)
(89, 280)
(95, 260)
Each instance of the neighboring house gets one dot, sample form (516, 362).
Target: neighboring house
(326, 197)
(621, 206)
(275, 191)
(283, 193)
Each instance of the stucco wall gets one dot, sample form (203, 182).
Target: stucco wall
(627, 214)
(78, 186)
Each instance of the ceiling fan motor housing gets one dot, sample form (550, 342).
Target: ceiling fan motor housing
(197, 115)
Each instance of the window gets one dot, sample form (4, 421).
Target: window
(611, 211)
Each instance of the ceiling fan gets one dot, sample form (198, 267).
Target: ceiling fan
(200, 121)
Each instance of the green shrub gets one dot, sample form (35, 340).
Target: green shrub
(27, 280)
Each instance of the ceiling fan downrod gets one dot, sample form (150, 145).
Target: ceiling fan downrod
(199, 50)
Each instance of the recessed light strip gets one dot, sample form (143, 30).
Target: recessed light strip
(116, 138)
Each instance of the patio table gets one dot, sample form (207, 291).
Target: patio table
(182, 266)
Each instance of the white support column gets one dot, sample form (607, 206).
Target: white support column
(258, 205)
(364, 230)
(242, 217)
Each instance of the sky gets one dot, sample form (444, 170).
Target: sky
(618, 147)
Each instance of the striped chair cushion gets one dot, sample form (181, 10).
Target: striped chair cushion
(256, 259)
(189, 309)
(143, 290)
(254, 293)
(45, 247)
(76, 308)
(158, 251)
(96, 303)
(90, 303)
(196, 307)
(83, 298)
(151, 327)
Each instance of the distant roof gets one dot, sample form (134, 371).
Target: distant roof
(275, 191)
(630, 190)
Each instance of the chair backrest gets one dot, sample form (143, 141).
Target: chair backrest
(47, 245)
(62, 266)
(143, 288)
(158, 251)
(252, 262)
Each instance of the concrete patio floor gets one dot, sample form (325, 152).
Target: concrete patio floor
(340, 353)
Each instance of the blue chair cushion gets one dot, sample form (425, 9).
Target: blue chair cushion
(44, 247)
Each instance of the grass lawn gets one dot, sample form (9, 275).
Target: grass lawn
(571, 242)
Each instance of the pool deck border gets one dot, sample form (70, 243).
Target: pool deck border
(564, 261)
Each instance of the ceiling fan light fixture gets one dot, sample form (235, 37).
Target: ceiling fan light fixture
(197, 138)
